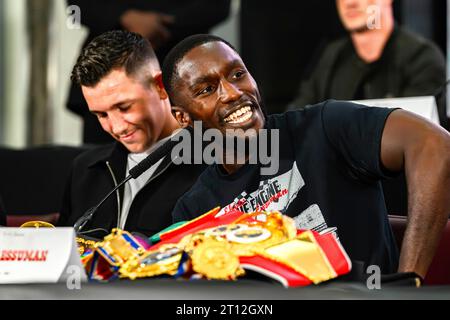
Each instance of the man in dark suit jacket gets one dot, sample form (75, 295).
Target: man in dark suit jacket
(286, 41)
(377, 59)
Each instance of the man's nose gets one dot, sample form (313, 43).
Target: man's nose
(349, 3)
(229, 92)
(118, 124)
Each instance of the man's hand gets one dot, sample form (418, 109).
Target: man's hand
(423, 150)
(150, 25)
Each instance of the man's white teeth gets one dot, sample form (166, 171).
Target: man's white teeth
(239, 116)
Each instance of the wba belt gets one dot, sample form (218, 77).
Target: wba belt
(223, 247)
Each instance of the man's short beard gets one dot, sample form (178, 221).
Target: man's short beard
(363, 28)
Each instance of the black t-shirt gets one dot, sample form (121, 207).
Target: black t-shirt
(328, 180)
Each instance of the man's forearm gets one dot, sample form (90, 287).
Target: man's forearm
(427, 167)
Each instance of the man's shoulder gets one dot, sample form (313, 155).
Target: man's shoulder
(410, 38)
(411, 43)
(338, 43)
(308, 112)
(332, 50)
(95, 153)
(344, 108)
(323, 113)
(329, 53)
(311, 111)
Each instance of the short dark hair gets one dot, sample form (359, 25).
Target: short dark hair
(112, 50)
(170, 65)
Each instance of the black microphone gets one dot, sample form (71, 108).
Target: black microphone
(134, 173)
(155, 156)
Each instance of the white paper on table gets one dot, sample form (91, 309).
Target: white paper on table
(30, 255)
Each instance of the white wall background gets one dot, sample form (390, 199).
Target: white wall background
(229, 29)
(63, 52)
(16, 73)
(66, 44)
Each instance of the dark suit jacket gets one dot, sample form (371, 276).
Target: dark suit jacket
(409, 66)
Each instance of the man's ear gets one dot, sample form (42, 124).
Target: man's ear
(182, 116)
(159, 85)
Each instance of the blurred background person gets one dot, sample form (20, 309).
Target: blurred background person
(281, 41)
(377, 59)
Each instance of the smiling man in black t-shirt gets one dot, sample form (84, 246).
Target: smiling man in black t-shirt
(331, 158)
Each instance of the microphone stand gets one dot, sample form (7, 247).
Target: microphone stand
(87, 216)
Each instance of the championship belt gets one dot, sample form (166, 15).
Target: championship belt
(259, 230)
(111, 253)
(206, 221)
(269, 243)
(85, 246)
(216, 260)
(118, 247)
(164, 260)
(215, 251)
(221, 248)
(309, 258)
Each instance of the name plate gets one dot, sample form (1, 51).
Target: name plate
(44, 255)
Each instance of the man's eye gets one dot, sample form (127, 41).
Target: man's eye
(239, 74)
(206, 90)
(125, 108)
(101, 115)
